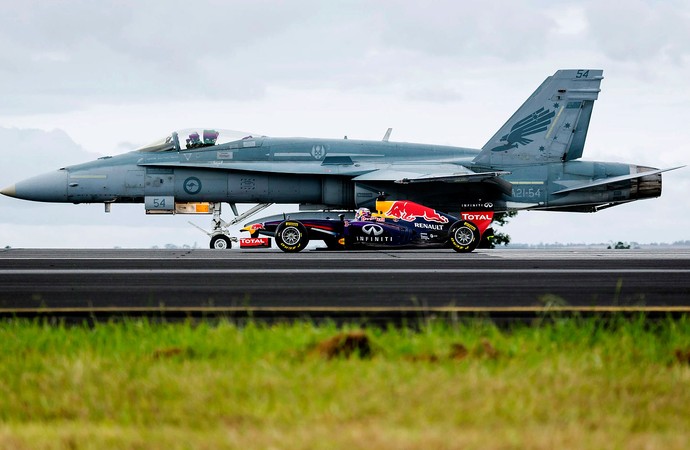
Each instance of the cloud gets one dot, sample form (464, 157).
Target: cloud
(73, 54)
(494, 29)
(70, 55)
(643, 32)
(66, 55)
(30, 152)
(434, 95)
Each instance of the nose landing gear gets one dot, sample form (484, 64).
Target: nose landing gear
(219, 234)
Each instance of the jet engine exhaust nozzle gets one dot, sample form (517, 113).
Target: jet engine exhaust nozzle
(646, 187)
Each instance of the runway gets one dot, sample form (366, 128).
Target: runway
(323, 283)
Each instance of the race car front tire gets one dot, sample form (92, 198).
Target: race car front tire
(291, 236)
(464, 236)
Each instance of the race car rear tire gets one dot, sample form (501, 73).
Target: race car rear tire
(291, 236)
(464, 236)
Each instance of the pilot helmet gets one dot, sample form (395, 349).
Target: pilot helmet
(363, 214)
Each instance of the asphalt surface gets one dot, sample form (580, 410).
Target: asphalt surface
(325, 282)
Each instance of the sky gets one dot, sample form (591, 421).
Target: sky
(81, 79)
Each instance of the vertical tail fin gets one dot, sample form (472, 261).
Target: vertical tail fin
(550, 126)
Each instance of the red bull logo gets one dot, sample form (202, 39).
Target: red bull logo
(410, 211)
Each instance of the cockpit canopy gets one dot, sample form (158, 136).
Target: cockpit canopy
(194, 138)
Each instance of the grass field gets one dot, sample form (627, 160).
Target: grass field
(571, 383)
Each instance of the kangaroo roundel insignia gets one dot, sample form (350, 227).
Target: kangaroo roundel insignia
(192, 185)
(318, 151)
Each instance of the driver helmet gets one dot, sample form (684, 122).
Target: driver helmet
(363, 214)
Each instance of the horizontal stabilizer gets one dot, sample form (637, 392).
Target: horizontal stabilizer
(613, 180)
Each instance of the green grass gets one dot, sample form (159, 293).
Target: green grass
(570, 383)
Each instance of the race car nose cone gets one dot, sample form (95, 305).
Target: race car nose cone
(9, 191)
(49, 187)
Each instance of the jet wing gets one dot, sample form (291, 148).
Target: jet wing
(612, 180)
(453, 178)
(444, 173)
(427, 174)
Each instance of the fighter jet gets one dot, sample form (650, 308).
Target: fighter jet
(531, 163)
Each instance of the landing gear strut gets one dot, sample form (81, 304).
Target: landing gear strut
(219, 233)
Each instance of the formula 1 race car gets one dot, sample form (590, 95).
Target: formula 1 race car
(396, 223)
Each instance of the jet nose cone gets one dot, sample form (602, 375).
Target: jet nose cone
(9, 191)
(49, 187)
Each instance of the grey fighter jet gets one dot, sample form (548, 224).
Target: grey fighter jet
(531, 163)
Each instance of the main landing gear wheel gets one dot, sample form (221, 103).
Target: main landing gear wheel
(464, 236)
(291, 236)
(221, 242)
